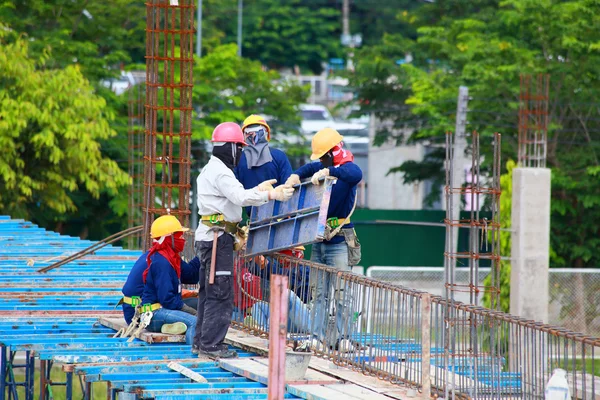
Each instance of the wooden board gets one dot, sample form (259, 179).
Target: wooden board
(149, 337)
(334, 392)
(257, 370)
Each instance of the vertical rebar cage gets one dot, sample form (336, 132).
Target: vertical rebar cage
(460, 337)
(533, 121)
(135, 114)
(169, 72)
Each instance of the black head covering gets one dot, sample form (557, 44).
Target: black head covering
(229, 153)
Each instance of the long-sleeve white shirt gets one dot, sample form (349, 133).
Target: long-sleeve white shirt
(219, 192)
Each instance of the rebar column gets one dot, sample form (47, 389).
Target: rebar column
(135, 114)
(462, 342)
(533, 120)
(169, 73)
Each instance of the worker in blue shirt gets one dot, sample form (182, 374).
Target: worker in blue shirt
(164, 273)
(259, 162)
(341, 248)
(134, 286)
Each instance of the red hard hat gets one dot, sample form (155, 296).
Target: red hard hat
(228, 132)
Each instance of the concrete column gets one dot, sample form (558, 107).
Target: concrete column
(530, 243)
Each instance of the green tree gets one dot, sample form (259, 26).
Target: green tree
(51, 123)
(289, 33)
(486, 45)
(92, 34)
(229, 88)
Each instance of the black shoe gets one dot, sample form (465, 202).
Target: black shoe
(222, 353)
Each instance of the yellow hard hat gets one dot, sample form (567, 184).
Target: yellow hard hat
(323, 141)
(166, 225)
(257, 120)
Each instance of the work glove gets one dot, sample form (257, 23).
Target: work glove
(266, 186)
(188, 309)
(318, 175)
(292, 180)
(240, 238)
(281, 193)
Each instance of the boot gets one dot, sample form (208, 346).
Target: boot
(176, 328)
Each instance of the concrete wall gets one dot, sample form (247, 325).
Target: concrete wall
(389, 192)
(530, 243)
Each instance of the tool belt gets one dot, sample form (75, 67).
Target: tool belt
(335, 222)
(218, 221)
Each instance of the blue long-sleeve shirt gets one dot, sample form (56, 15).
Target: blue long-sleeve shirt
(134, 286)
(343, 193)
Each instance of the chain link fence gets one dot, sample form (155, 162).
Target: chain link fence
(574, 293)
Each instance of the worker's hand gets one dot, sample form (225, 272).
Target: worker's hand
(282, 193)
(292, 180)
(188, 309)
(267, 185)
(318, 175)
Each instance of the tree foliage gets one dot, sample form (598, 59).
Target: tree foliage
(486, 45)
(96, 35)
(51, 123)
(229, 88)
(289, 33)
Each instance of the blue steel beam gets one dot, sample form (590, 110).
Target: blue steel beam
(299, 221)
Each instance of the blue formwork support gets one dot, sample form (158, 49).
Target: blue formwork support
(299, 221)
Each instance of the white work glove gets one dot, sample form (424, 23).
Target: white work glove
(292, 180)
(266, 186)
(281, 193)
(318, 175)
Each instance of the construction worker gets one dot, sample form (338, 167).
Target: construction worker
(259, 162)
(162, 277)
(341, 248)
(134, 287)
(220, 200)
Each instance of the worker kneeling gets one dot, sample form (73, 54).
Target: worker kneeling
(163, 277)
(220, 200)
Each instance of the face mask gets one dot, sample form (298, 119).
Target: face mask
(327, 160)
(237, 153)
(178, 242)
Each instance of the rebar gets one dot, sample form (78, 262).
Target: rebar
(505, 356)
(135, 113)
(168, 123)
(533, 120)
(460, 338)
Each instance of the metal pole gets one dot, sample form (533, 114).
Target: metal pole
(277, 336)
(239, 32)
(459, 161)
(426, 345)
(199, 33)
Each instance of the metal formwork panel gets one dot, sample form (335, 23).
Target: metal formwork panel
(299, 221)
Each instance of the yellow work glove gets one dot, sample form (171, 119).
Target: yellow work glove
(240, 238)
(292, 180)
(318, 175)
(282, 193)
(267, 186)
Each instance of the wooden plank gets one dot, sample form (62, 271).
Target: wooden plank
(146, 336)
(258, 345)
(334, 392)
(257, 370)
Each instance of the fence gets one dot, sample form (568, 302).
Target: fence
(383, 329)
(574, 293)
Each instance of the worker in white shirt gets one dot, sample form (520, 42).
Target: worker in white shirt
(220, 200)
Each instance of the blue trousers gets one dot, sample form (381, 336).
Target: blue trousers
(323, 285)
(163, 316)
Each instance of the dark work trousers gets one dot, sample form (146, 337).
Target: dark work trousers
(215, 302)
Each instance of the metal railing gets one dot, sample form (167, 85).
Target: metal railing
(386, 330)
